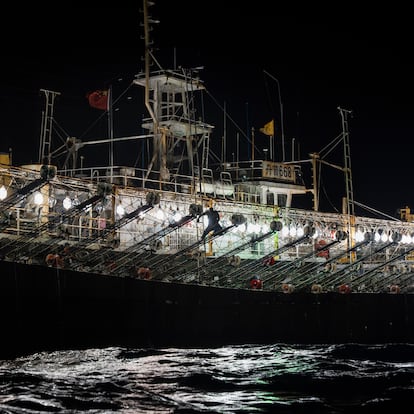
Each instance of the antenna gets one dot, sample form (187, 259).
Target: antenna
(281, 112)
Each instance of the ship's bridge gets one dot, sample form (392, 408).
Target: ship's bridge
(257, 182)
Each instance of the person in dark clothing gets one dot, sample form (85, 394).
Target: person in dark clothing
(213, 222)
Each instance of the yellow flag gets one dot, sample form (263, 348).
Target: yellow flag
(269, 128)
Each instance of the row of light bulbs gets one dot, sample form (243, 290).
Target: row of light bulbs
(384, 236)
(287, 231)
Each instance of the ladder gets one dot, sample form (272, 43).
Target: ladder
(47, 125)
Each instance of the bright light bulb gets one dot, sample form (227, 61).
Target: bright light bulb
(250, 228)
(177, 216)
(67, 203)
(359, 236)
(38, 198)
(265, 228)
(3, 192)
(256, 228)
(242, 228)
(160, 215)
(120, 210)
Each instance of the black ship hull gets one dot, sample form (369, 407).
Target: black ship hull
(45, 308)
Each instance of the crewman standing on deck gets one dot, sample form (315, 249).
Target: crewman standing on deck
(213, 222)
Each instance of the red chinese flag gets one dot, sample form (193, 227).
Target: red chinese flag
(98, 99)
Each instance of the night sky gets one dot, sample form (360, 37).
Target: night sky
(322, 57)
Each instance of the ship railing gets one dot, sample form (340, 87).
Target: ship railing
(346, 274)
(203, 183)
(141, 252)
(292, 272)
(83, 240)
(175, 264)
(384, 278)
(305, 264)
(314, 273)
(135, 177)
(16, 222)
(180, 124)
(187, 76)
(217, 187)
(401, 283)
(39, 235)
(398, 282)
(240, 194)
(211, 270)
(391, 273)
(270, 266)
(262, 267)
(239, 277)
(110, 231)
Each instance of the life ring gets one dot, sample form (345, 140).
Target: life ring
(320, 251)
(344, 288)
(287, 288)
(395, 289)
(327, 268)
(270, 261)
(50, 259)
(54, 260)
(144, 273)
(256, 283)
(316, 288)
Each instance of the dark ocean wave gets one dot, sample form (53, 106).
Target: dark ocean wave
(238, 379)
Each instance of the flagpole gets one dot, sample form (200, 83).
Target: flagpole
(252, 144)
(110, 131)
(281, 112)
(225, 133)
(271, 138)
(269, 130)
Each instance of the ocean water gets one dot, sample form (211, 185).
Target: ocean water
(237, 379)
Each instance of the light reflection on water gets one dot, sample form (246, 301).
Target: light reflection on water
(235, 379)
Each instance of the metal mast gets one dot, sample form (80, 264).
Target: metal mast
(349, 207)
(347, 163)
(47, 126)
(178, 137)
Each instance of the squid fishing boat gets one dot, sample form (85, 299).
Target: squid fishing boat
(114, 255)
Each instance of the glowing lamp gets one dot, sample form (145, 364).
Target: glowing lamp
(120, 210)
(3, 192)
(38, 198)
(67, 203)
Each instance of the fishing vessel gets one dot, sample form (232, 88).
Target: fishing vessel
(116, 255)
